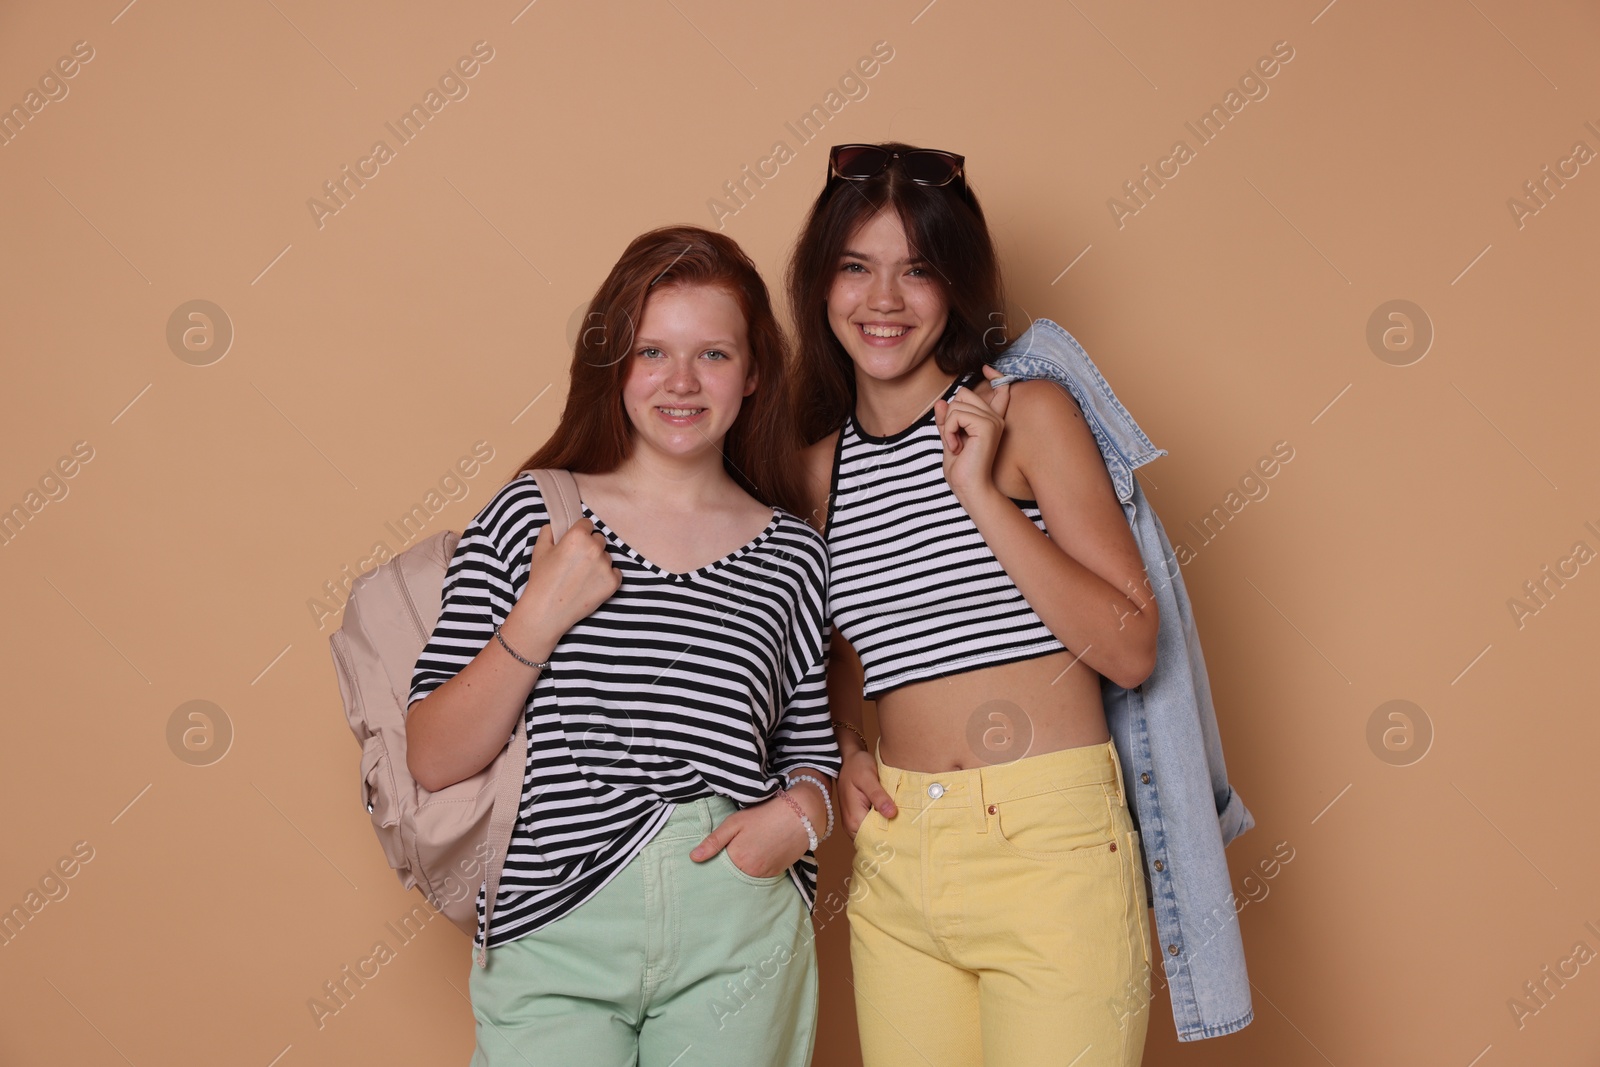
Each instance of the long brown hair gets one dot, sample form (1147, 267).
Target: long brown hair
(595, 436)
(943, 224)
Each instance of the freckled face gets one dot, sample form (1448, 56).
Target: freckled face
(690, 370)
(885, 307)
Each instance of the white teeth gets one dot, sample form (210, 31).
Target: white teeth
(681, 413)
(883, 331)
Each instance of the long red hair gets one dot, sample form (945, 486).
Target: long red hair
(595, 436)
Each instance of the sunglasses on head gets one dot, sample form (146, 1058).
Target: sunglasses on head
(924, 166)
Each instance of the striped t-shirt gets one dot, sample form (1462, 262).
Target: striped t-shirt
(679, 686)
(914, 588)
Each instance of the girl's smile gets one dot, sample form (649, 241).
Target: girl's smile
(690, 371)
(885, 307)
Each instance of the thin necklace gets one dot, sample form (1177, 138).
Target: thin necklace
(920, 413)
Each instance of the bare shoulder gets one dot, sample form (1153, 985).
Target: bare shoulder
(1066, 474)
(1048, 423)
(816, 465)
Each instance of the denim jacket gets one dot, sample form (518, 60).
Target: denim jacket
(1165, 730)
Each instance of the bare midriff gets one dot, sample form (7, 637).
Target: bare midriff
(992, 715)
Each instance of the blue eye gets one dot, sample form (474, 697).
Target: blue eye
(852, 267)
(648, 353)
(715, 352)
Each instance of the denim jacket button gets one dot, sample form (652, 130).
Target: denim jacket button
(1172, 950)
(1144, 776)
(1158, 865)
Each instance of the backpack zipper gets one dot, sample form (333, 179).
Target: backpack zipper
(349, 672)
(405, 594)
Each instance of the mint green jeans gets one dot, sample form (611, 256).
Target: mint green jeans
(674, 963)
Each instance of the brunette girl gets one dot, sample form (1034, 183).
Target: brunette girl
(983, 578)
(667, 657)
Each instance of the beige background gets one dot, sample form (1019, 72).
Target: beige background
(432, 311)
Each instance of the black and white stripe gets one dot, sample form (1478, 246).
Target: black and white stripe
(914, 588)
(677, 687)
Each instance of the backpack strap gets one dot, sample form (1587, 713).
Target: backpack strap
(560, 492)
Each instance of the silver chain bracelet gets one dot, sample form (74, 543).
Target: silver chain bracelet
(520, 658)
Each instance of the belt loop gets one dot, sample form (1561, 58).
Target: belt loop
(892, 786)
(981, 799)
(1116, 761)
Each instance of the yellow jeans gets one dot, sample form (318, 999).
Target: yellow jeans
(1000, 919)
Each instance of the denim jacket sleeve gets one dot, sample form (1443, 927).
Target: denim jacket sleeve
(1165, 731)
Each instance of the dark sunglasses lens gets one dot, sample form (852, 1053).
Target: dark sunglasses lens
(931, 168)
(862, 161)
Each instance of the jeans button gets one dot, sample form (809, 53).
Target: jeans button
(936, 790)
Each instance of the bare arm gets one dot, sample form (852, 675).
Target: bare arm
(844, 667)
(859, 788)
(1085, 579)
(458, 729)
(844, 694)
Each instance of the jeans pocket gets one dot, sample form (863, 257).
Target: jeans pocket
(1059, 824)
(872, 822)
(752, 879)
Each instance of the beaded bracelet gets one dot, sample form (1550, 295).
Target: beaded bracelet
(811, 833)
(790, 779)
(517, 655)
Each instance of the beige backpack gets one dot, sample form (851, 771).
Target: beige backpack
(445, 843)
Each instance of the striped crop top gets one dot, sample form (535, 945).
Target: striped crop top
(912, 585)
